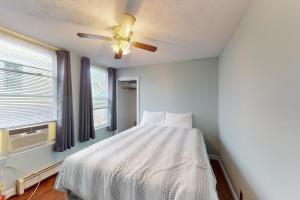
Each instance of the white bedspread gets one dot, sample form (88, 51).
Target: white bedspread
(142, 163)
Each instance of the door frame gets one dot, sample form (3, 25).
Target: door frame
(125, 78)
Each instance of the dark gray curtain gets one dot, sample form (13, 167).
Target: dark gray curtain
(112, 76)
(86, 122)
(65, 121)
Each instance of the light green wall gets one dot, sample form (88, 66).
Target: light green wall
(190, 86)
(259, 102)
(36, 159)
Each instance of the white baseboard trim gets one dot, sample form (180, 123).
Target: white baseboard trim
(32, 179)
(215, 157)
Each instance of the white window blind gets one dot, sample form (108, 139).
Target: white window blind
(99, 82)
(27, 83)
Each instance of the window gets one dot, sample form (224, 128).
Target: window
(100, 95)
(27, 83)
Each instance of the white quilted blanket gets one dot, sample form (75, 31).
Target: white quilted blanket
(142, 163)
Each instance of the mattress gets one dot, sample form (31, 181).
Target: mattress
(142, 163)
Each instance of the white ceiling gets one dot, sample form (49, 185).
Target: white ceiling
(182, 29)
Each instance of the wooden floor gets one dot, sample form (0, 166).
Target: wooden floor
(222, 187)
(46, 191)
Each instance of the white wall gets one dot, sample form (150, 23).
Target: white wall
(36, 159)
(189, 86)
(259, 102)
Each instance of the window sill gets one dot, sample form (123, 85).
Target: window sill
(101, 126)
(17, 154)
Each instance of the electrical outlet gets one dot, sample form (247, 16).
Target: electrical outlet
(241, 195)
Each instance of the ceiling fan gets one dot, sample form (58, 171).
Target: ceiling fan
(121, 37)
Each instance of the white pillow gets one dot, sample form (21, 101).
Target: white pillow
(178, 120)
(153, 118)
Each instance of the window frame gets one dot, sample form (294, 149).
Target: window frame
(104, 125)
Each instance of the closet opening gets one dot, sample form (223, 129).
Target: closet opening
(127, 103)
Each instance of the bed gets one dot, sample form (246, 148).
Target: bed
(142, 163)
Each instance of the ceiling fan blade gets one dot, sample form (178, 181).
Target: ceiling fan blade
(119, 54)
(91, 36)
(144, 46)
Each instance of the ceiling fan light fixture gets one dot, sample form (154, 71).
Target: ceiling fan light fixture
(115, 47)
(126, 51)
(121, 45)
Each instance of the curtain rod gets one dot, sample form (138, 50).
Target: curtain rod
(28, 39)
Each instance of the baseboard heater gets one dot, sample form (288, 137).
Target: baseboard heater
(30, 180)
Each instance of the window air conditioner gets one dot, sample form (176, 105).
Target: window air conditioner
(22, 138)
